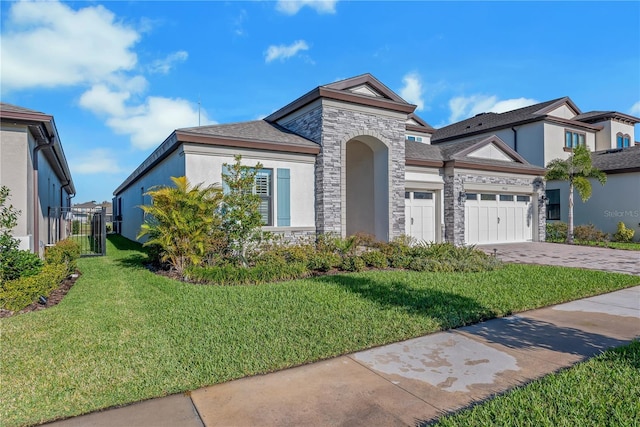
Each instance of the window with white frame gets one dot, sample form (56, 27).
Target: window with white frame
(263, 189)
(573, 139)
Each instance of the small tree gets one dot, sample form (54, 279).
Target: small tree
(240, 208)
(577, 169)
(183, 221)
(8, 221)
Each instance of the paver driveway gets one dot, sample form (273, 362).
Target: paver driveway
(591, 257)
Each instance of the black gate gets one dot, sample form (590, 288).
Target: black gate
(86, 226)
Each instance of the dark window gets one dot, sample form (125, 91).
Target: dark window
(411, 138)
(487, 197)
(553, 207)
(506, 198)
(407, 194)
(472, 196)
(523, 198)
(422, 195)
(623, 141)
(573, 139)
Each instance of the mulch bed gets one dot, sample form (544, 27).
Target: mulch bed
(54, 298)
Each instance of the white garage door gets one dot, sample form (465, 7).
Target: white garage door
(419, 207)
(498, 218)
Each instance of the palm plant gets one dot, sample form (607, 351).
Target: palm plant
(577, 169)
(183, 221)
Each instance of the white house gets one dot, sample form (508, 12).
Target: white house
(34, 168)
(352, 156)
(550, 130)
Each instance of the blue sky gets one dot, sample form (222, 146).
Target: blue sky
(119, 77)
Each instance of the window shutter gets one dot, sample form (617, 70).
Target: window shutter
(284, 198)
(225, 172)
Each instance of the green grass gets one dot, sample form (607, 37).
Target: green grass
(604, 391)
(124, 334)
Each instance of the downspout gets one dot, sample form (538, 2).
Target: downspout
(515, 139)
(36, 214)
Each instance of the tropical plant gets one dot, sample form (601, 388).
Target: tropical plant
(577, 170)
(241, 208)
(183, 221)
(623, 234)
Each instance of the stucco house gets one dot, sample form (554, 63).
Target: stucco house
(550, 130)
(352, 156)
(33, 166)
(618, 200)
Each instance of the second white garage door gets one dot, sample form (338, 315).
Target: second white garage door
(498, 218)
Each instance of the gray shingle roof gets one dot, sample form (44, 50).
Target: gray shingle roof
(17, 109)
(257, 130)
(617, 160)
(455, 150)
(419, 151)
(487, 121)
(598, 116)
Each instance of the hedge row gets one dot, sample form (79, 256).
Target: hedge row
(60, 261)
(290, 262)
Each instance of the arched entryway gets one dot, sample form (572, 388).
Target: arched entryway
(367, 187)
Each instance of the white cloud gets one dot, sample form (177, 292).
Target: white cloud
(635, 109)
(98, 160)
(412, 90)
(283, 52)
(463, 107)
(164, 65)
(76, 47)
(290, 7)
(101, 100)
(150, 123)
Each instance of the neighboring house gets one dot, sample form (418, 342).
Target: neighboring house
(350, 157)
(82, 211)
(33, 166)
(550, 130)
(618, 200)
(546, 131)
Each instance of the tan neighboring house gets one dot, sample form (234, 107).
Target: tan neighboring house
(34, 167)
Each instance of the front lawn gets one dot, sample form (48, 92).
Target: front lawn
(604, 391)
(124, 334)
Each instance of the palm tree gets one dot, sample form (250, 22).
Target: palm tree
(577, 169)
(183, 222)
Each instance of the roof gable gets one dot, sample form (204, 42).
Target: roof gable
(367, 85)
(490, 152)
(563, 108)
(362, 90)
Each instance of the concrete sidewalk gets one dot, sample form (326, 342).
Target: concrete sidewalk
(406, 383)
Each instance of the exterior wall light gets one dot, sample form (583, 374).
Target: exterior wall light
(544, 199)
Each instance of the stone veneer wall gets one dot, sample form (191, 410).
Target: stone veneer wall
(340, 125)
(454, 215)
(332, 127)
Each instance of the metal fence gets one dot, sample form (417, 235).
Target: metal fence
(86, 226)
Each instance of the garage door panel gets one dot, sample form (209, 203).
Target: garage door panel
(497, 219)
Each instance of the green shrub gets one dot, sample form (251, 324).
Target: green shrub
(376, 259)
(589, 233)
(17, 294)
(323, 261)
(75, 227)
(557, 231)
(623, 234)
(65, 252)
(15, 264)
(262, 272)
(353, 263)
(397, 252)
